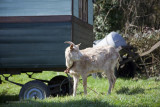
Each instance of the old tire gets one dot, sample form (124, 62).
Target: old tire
(34, 89)
(65, 86)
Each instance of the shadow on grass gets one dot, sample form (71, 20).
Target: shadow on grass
(8, 98)
(79, 103)
(126, 90)
(14, 102)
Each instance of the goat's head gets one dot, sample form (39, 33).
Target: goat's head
(72, 52)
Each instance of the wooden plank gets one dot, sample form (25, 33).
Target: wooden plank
(151, 50)
(29, 19)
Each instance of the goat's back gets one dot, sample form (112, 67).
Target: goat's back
(99, 56)
(101, 51)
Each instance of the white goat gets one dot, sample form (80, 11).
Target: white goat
(91, 60)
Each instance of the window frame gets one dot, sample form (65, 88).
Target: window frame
(83, 10)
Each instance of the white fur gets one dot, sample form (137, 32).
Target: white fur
(91, 60)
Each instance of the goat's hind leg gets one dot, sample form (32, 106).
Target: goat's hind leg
(84, 78)
(114, 80)
(76, 80)
(110, 85)
(111, 82)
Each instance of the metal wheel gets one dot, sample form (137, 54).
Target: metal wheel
(34, 89)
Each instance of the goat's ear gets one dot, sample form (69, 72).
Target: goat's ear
(69, 42)
(78, 45)
(71, 47)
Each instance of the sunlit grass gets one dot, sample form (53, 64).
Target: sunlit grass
(127, 92)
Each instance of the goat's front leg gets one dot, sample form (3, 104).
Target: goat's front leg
(84, 78)
(76, 80)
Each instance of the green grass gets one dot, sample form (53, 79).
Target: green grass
(127, 92)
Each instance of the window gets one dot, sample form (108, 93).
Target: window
(80, 9)
(83, 10)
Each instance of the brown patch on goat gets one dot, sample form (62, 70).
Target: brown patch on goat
(71, 47)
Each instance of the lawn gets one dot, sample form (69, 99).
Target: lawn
(127, 92)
